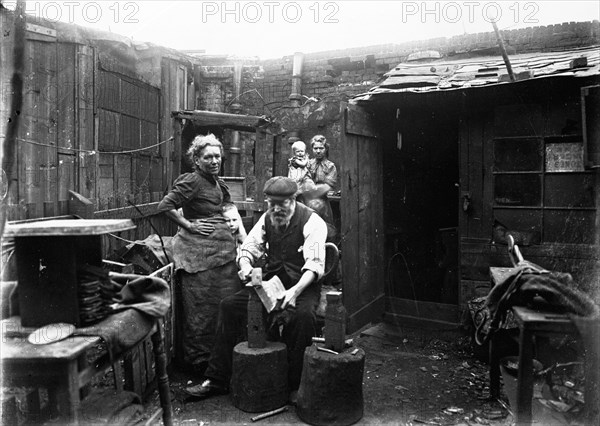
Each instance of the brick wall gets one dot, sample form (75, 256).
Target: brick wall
(334, 76)
(344, 73)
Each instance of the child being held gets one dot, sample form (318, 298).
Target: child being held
(234, 221)
(297, 169)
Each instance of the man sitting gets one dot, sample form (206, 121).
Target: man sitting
(293, 237)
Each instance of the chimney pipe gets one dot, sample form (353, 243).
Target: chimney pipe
(235, 108)
(296, 95)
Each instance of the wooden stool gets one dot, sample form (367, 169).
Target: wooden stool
(259, 372)
(330, 390)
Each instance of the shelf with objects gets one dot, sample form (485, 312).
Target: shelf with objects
(51, 338)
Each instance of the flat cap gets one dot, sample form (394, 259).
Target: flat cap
(280, 188)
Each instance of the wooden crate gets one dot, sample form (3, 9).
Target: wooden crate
(237, 187)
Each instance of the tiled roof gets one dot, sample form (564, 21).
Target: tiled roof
(444, 74)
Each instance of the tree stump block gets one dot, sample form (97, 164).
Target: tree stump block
(330, 390)
(259, 377)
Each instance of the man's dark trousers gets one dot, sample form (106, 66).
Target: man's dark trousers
(231, 327)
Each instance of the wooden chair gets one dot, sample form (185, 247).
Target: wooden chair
(332, 259)
(516, 258)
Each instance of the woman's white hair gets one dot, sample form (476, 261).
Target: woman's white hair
(199, 143)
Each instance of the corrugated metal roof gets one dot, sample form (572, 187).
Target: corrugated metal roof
(446, 74)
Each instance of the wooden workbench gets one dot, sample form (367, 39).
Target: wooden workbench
(60, 247)
(62, 367)
(531, 323)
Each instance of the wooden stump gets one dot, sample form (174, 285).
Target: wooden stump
(330, 390)
(259, 377)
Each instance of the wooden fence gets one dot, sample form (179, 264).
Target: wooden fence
(146, 220)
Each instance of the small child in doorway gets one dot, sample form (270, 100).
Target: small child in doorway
(297, 169)
(234, 221)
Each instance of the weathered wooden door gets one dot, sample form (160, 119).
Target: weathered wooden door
(361, 206)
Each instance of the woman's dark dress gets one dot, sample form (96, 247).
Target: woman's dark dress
(206, 263)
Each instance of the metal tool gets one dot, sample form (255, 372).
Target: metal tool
(329, 351)
(268, 414)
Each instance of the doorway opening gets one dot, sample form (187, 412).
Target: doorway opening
(421, 187)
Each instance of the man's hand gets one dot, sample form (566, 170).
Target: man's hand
(201, 227)
(292, 293)
(245, 271)
(289, 298)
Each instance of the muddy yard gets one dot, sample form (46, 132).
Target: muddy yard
(411, 377)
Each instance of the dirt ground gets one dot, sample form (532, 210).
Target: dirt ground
(411, 377)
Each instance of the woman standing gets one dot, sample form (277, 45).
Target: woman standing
(324, 174)
(204, 248)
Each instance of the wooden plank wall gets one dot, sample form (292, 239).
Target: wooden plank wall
(128, 121)
(174, 98)
(6, 51)
(38, 171)
(74, 109)
(530, 114)
(86, 136)
(67, 140)
(361, 207)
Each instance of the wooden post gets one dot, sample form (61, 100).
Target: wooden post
(509, 69)
(175, 154)
(260, 164)
(12, 128)
(162, 378)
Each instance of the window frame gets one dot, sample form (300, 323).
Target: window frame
(543, 210)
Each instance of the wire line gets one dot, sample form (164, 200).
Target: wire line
(92, 151)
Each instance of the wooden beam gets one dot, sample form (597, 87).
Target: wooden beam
(244, 123)
(130, 212)
(359, 121)
(424, 310)
(372, 312)
(260, 165)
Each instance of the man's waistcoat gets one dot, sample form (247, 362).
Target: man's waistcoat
(285, 246)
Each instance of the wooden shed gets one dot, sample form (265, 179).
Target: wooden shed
(438, 163)
(361, 216)
(446, 157)
(94, 117)
(189, 123)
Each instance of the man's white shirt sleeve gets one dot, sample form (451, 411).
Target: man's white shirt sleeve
(254, 244)
(313, 249)
(315, 235)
